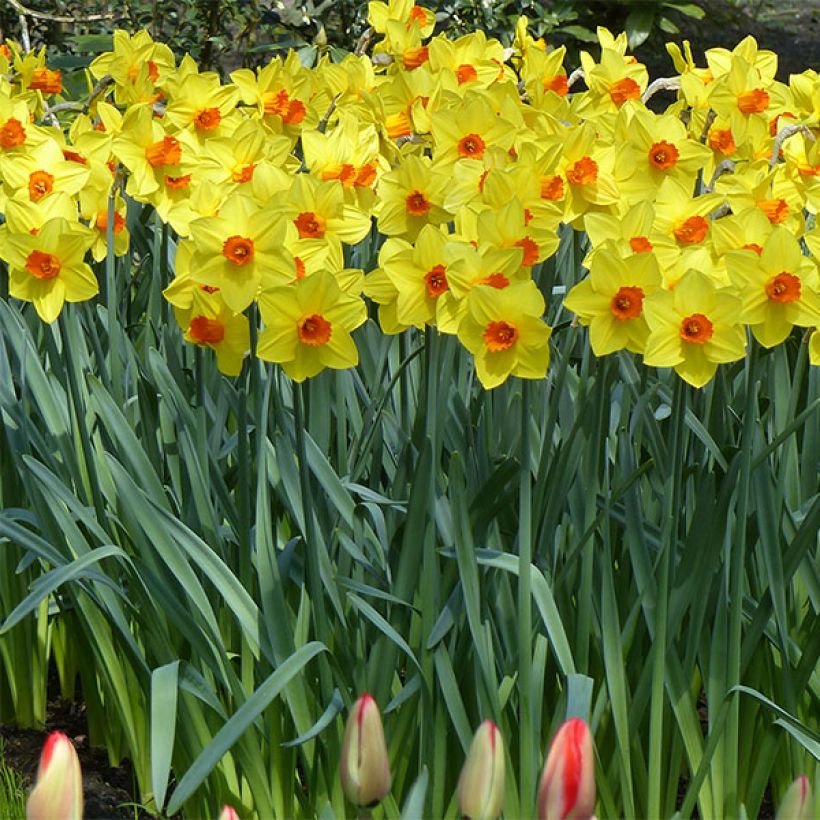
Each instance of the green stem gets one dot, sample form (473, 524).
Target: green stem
(527, 752)
(669, 536)
(736, 566)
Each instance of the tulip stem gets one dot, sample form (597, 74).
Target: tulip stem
(527, 759)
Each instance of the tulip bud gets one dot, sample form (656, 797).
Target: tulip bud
(365, 767)
(567, 790)
(58, 792)
(481, 785)
(796, 803)
(228, 813)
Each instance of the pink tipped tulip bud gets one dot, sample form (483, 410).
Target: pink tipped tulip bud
(365, 767)
(797, 801)
(58, 792)
(481, 785)
(567, 790)
(228, 813)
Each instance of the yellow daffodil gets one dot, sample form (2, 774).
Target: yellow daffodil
(504, 331)
(47, 268)
(237, 250)
(693, 328)
(611, 301)
(778, 287)
(412, 196)
(308, 326)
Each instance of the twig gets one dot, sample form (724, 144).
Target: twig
(322, 127)
(783, 134)
(576, 75)
(96, 92)
(725, 167)
(24, 36)
(710, 118)
(58, 18)
(364, 42)
(661, 84)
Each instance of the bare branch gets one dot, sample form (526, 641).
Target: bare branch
(661, 84)
(783, 134)
(96, 92)
(725, 167)
(364, 42)
(576, 75)
(58, 18)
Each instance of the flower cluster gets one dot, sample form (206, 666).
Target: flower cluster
(461, 159)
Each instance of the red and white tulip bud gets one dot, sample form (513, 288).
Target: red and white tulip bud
(481, 785)
(364, 765)
(58, 792)
(228, 813)
(797, 802)
(567, 789)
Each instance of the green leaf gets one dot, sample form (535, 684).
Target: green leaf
(239, 723)
(413, 808)
(333, 708)
(639, 24)
(164, 690)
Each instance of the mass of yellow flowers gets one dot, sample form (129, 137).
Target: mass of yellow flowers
(459, 160)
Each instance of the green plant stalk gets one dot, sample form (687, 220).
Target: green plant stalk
(527, 749)
(669, 535)
(114, 370)
(736, 567)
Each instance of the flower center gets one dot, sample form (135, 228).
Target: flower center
(752, 246)
(663, 155)
(49, 82)
(417, 203)
(208, 119)
(471, 146)
(627, 303)
(178, 183)
(692, 231)
(721, 140)
(465, 73)
(238, 249)
(696, 329)
(495, 280)
(783, 288)
(102, 222)
(205, 331)
(776, 210)
(552, 188)
(244, 173)
(436, 281)
(530, 248)
(42, 265)
(40, 183)
(414, 57)
(314, 330)
(623, 90)
(310, 225)
(583, 172)
(299, 266)
(166, 151)
(12, 133)
(753, 102)
(500, 336)
(558, 84)
(640, 244)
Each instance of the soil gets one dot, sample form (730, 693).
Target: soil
(109, 793)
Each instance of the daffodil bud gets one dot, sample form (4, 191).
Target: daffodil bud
(567, 789)
(797, 801)
(58, 792)
(228, 813)
(365, 767)
(481, 785)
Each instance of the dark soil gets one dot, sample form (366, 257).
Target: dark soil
(109, 793)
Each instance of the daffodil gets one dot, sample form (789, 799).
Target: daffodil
(693, 328)
(778, 288)
(611, 301)
(504, 331)
(412, 196)
(237, 250)
(48, 268)
(308, 326)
